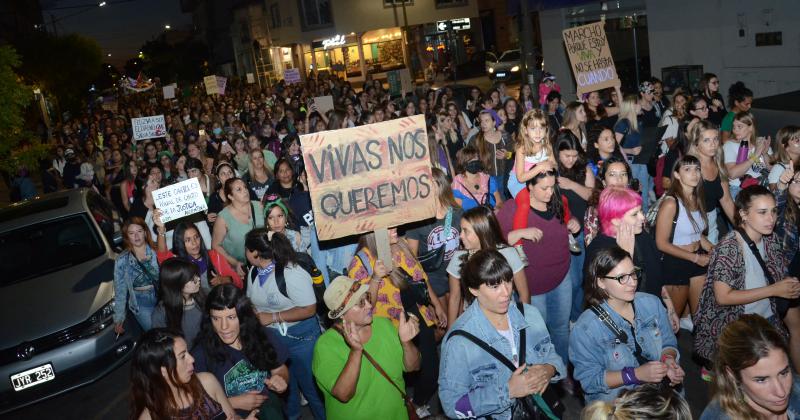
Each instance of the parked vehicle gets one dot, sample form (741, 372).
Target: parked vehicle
(56, 296)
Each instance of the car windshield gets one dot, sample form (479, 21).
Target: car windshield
(42, 248)
(510, 56)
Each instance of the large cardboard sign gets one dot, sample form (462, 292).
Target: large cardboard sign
(149, 127)
(592, 64)
(291, 76)
(179, 200)
(369, 177)
(210, 83)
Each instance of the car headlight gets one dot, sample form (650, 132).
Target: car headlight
(515, 68)
(491, 70)
(100, 320)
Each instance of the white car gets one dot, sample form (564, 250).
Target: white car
(504, 68)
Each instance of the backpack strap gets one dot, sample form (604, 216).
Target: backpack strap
(280, 279)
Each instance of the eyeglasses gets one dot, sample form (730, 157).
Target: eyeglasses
(625, 279)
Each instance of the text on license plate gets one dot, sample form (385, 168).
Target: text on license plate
(501, 74)
(33, 377)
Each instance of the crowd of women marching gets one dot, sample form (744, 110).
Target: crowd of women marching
(572, 241)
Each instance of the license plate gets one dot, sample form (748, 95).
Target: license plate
(33, 377)
(501, 74)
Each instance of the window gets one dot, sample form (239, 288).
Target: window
(315, 14)
(275, 16)
(450, 3)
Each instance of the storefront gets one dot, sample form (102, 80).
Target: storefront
(352, 56)
(448, 42)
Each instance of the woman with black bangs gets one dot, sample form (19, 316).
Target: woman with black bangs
(181, 299)
(247, 358)
(187, 243)
(164, 384)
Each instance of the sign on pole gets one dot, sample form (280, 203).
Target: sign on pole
(149, 127)
(211, 85)
(369, 177)
(291, 76)
(592, 64)
(179, 200)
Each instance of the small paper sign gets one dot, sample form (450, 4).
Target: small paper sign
(179, 200)
(221, 83)
(250, 78)
(324, 103)
(211, 85)
(169, 91)
(149, 127)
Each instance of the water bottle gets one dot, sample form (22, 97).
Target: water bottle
(744, 151)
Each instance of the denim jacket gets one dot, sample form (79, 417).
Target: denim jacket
(472, 383)
(125, 271)
(594, 349)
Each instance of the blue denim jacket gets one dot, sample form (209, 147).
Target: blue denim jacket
(125, 271)
(594, 349)
(472, 383)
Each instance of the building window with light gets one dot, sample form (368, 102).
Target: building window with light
(392, 3)
(315, 14)
(450, 3)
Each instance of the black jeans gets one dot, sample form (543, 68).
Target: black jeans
(426, 380)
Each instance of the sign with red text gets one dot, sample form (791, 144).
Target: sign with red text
(149, 127)
(590, 56)
(369, 177)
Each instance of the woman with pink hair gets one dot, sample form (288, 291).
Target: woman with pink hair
(622, 224)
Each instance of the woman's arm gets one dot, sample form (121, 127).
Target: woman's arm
(345, 387)
(454, 303)
(123, 193)
(413, 245)
(737, 170)
(727, 201)
(298, 313)
(728, 296)
(519, 164)
(521, 285)
(666, 214)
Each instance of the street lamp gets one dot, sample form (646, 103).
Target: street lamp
(102, 3)
(167, 27)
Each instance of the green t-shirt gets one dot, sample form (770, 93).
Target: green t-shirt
(727, 122)
(375, 397)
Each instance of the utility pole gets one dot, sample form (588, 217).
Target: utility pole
(526, 48)
(406, 51)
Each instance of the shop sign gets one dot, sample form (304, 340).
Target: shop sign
(333, 42)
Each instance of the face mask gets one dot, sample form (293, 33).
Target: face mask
(217, 131)
(474, 166)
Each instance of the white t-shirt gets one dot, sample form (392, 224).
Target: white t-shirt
(753, 279)
(268, 298)
(731, 149)
(512, 257)
(776, 172)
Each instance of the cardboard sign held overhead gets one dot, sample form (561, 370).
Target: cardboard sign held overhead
(592, 64)
(324, 103)
(169, 91)
(149, 127)
(370, 177)
(250, 78)
(179, 200)
(221, 83)
(211, 85)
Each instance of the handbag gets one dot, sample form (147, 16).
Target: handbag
(532, 407)
(434, 258)
(412, 411)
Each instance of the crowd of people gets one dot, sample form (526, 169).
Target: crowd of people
(572, 242)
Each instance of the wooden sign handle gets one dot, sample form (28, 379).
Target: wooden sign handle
(384, 249)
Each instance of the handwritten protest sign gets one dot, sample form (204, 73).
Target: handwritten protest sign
(399, 82)
(179, 200)
(211, 85)
(291, 76)
(149, 127)
(324, 103)
(221, 83)
(592, 64)
(369, 177)
(250, 78)
(169, 91)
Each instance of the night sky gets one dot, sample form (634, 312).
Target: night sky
(119, 27)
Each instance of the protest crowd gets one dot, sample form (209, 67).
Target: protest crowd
(572, 241)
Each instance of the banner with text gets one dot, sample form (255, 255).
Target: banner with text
(179, 200)
(149, 127)
(590, 56)
(369, 177)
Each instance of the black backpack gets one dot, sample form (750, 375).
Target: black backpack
(306, 263)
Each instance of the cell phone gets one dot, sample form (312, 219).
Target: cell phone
(202, 132)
